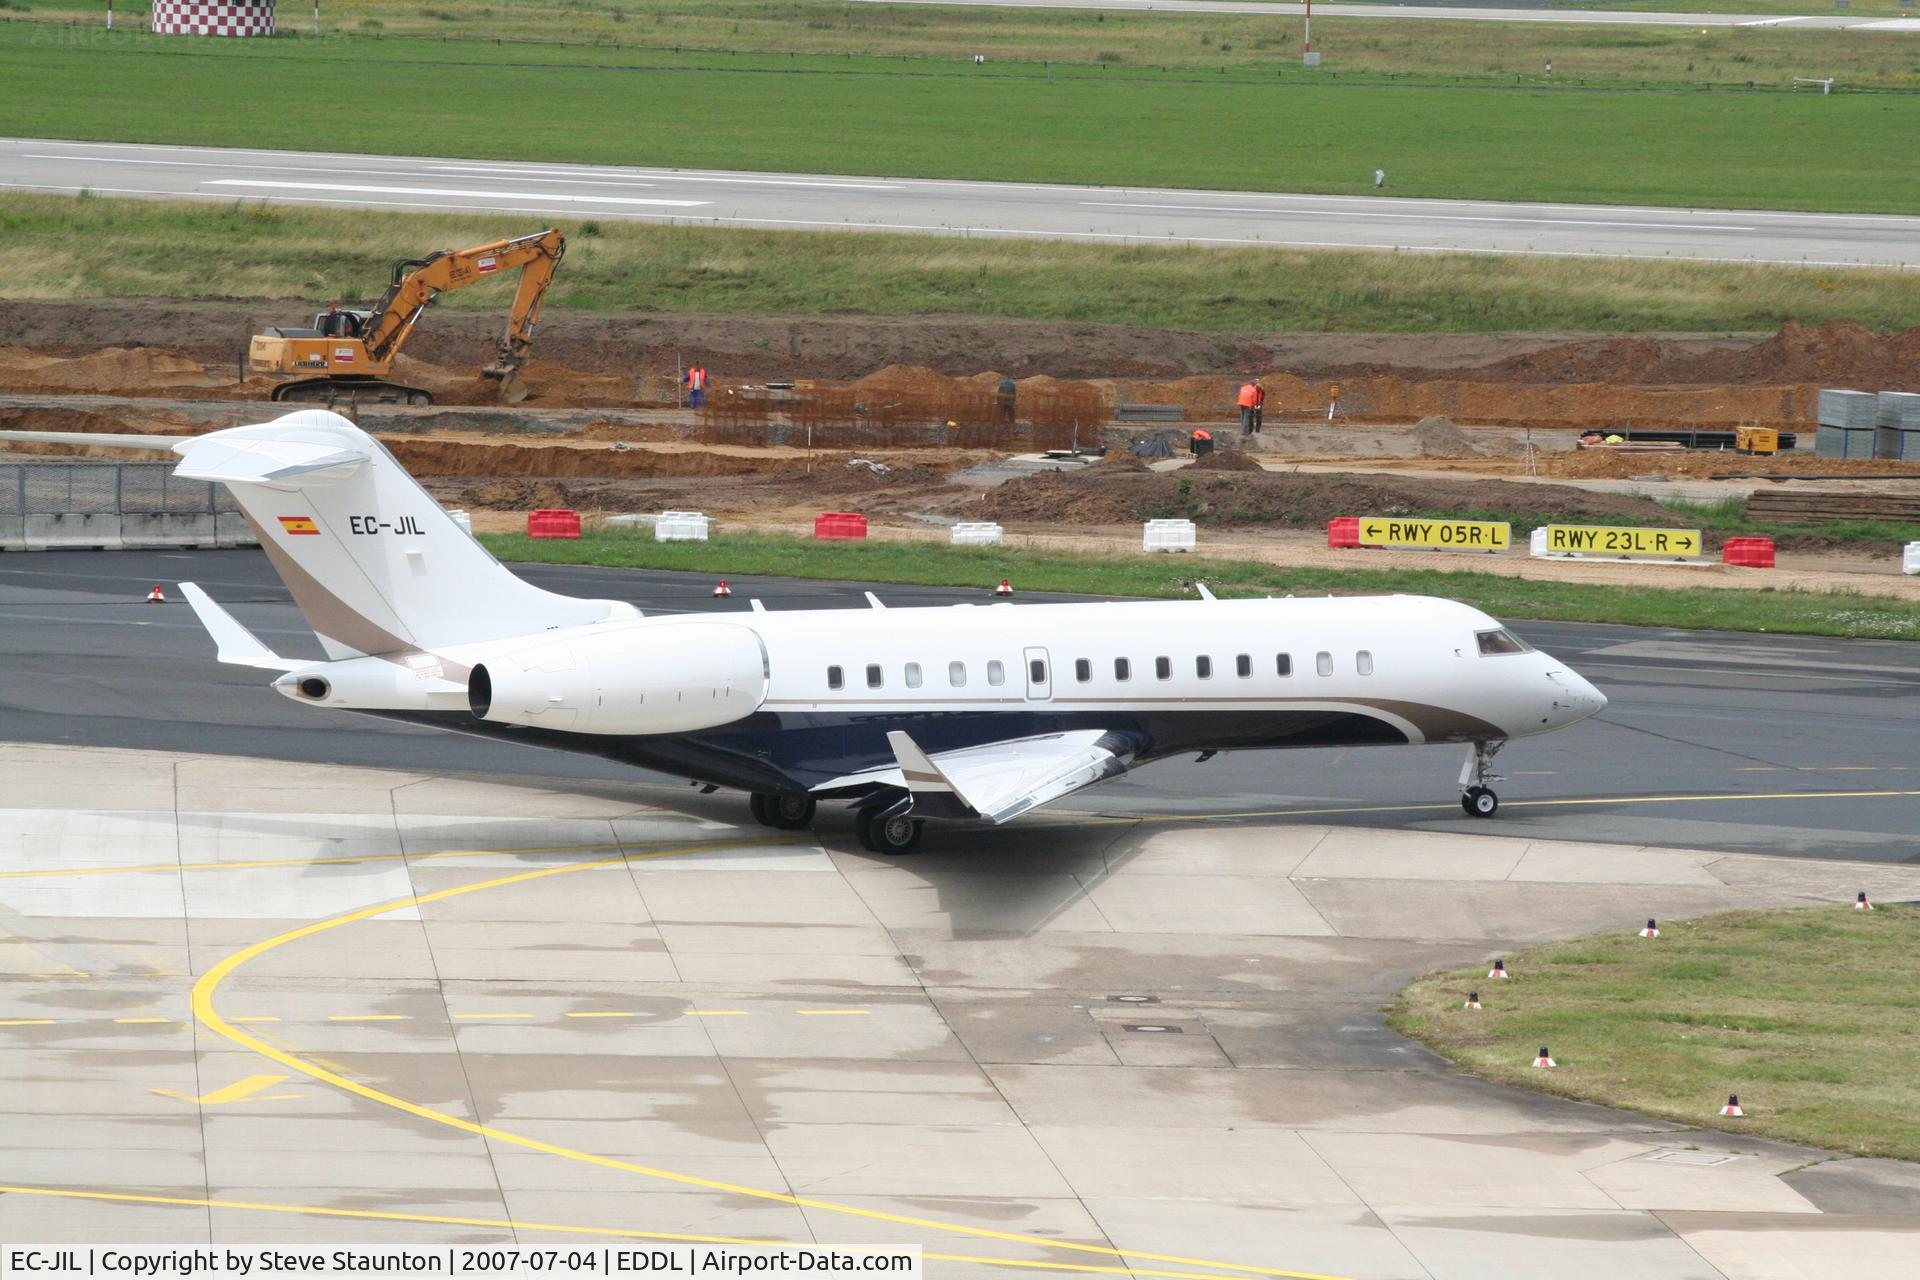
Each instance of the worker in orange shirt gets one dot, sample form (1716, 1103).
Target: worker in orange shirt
(696, 379)
(1249, 402)
(1259, 405)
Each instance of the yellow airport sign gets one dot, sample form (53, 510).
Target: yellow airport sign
(1589, 540)
(1450, 535)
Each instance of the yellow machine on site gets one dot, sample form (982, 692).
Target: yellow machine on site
(348, 353)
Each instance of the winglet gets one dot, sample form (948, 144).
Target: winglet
(237, 645)
(934, 794)
(1201, 587)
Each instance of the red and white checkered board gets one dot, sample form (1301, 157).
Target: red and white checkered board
(213, 17)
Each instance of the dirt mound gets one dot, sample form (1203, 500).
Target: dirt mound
(114, 371)
(1828, 355)
(1310, 500)
(1437, 437)
(1226, 460)
(517, 495)
(908, 378)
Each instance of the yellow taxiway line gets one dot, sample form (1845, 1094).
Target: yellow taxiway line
(204, 1010)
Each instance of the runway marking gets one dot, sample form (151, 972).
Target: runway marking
(505, 1224)
(26, 1022)
(558, 196)
(585, 176)
(241, 1091)
(208, 1016)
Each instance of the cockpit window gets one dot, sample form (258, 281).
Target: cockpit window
(1501, 641)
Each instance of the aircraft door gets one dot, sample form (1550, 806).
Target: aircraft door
(1039, 676)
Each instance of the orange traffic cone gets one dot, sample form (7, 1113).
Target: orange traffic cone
(1545, 1059)
(156, 596)
(722, 591)
(1004, 589)
(1733, 1107)
(1651, 931)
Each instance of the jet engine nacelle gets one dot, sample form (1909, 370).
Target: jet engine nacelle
(669, 677)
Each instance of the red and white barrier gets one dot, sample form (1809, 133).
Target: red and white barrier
(1732, 1108)
(213, 17)
(1499, 969)
(1545, 1059)
(1651, 931)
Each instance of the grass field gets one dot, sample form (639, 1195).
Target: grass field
(1812, 1016)
(1270, 45)
(1809, 613)
(60, 247)
(1105, 122)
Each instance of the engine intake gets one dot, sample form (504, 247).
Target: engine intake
(671, 677)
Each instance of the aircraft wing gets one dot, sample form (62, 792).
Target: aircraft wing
(1002, 780)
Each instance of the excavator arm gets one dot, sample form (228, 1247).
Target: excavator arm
(418, 281)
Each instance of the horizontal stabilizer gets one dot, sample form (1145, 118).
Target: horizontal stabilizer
(262, 455)
(160, 444)
(237, 646)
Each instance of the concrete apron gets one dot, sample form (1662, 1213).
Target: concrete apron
(1150, 1037)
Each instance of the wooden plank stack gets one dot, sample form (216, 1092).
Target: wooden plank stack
(1783, 506)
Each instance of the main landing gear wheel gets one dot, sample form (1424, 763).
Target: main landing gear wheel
(1480, 802)
(888, 828)
(784, 812)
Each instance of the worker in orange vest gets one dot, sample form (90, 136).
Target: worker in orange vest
(1249, 402)
(696, 380)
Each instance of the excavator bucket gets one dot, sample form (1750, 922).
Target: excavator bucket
(512, 389)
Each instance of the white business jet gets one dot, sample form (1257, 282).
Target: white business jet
(962, 713)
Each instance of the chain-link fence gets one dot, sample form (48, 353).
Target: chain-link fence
(107, 488)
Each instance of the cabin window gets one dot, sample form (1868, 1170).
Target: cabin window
(996, 672)
(835, 678)
(1122, 669)
(1323, 663)
(1163, 668)
(1082, 670)
(1037, 670)
(873, 675)
(1363, 662)
(1283, 663)
(913, 675)
(1243, 665)
(957, 674)
(1203, 667)
(1501, 641)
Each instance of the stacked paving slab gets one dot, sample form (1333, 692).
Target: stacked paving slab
(1847, 424)
(1897, 426)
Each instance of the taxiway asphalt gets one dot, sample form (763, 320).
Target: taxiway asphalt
(829, 202)
(1736, 742)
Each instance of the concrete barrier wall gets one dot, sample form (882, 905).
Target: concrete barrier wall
(71, 531)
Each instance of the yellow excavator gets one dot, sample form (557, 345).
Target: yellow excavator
(348, 353)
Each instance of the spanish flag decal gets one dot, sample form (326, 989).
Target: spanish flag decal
(299, 524)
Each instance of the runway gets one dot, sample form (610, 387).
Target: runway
(824, 201)
(1742, 743)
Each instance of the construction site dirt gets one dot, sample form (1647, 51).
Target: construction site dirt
(894, 416)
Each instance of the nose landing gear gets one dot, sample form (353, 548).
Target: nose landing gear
(1476, 797)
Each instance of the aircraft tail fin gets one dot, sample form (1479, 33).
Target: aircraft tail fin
(375, 564)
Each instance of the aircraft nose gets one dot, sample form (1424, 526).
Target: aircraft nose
(1575, 697)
